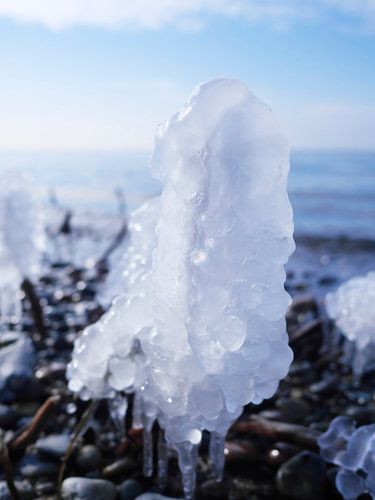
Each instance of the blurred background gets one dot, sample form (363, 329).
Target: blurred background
(83, 85)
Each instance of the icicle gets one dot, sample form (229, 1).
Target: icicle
(187, 460)
(148, 448)
(137, 412)
(162, 460)
(117, 407)
(216, 454)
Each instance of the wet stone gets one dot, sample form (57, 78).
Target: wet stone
(362, 414)
(154, 496)
(303, 477)
(8, 417)
(31, 467)
(23, 487)
(129, 489)
(119, 467)
(80, 488)
(89, 458)
(293, 409)
(54, 446)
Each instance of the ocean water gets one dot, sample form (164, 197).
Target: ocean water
(332, 193)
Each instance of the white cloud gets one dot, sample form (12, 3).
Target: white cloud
(184, 14)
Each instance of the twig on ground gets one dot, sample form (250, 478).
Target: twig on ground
(279, 431)
(19, 443)
(80, 427)
(8, 469)
(36, 309)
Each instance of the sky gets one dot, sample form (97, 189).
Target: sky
(101, 74)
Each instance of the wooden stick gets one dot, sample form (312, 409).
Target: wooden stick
(77, 431)
(19, 443)
(36, 309)
(8, 469)
(279, 431)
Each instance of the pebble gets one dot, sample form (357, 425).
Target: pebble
(303, 477)
(23, 487)
(129, 489)
(81, 488)
(155, 496)
(54, 446)
(122, 466)
(8, 417)
(213, 490)
(31, 468)
(89, 458)
(362, 414)
(294, 409)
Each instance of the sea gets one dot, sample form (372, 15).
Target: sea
(332, 194)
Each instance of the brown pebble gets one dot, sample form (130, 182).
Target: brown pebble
(123, 466)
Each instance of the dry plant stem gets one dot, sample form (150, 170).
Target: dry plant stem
(8, 469)
(279, 431)
(112, 247)
(77, 431)
(37, 311)
(32, 431)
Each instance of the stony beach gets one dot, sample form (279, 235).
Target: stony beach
(56, 446)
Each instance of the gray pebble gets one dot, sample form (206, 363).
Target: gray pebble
(89, 458)
(32, 468)
(54, 446)
(129, 489)
(154, 496)
(303, 477)
(8, 417)
(23, 487)
(81, 488)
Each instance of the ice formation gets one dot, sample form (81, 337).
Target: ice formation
(21, 239)
(136, 251)
(353, 450)
(351, 306)
(202, 331)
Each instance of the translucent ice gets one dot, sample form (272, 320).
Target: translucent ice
(21, 238)
(352, 308)
(135, 257)
(200, 331)
(353, 450)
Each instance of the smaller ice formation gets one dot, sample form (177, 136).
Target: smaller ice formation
(133, 259)
(21, 239)
(17, 362)
(353, 451)
(351, 306)
(200, 330)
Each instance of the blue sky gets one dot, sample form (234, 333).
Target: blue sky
(76, 74)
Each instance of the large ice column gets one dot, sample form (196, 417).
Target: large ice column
(205, 312)
(351, 306)
(224, 236)
(22, 239)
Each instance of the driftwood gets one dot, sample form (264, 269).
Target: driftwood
(28, 435)
(279, 431)
(36, 309)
